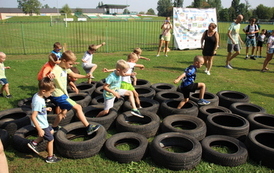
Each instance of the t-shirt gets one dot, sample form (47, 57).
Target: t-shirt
(60, 81)
(114, 82)
(127, 79)
(271, 41)
(234, 28)
(261, 37)
(38, 104)
(190, 76)
(2, 71)
(88, 58)
(251, 28)
(45, 70)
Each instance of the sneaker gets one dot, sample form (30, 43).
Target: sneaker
(246, 58)
(252, 57)
(33, 147)
(166, 56)
(157, 55)
(1, 95)
(92, 128)
(56, 128)
(8, 96)
(228, 66)
(203, 102)
(208, 72)
(52, 159)
(136, 113)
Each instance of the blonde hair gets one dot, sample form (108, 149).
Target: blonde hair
(132, 56)
(122, 64)
(46, 84)
(137, 50)
(2, 55)
(198, 58)
(68, 56)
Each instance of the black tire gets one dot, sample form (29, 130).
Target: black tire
(26, 103)
(99, 100)
(168, 95)
(82, 99)
(4, 136)
(213, 98)
(236, 155)
(126, 156)
(185, 124)
(84, 88)
(146, 103)
(261, 121)
(79, 149)
(143, 83)
(69, 117)
(98, 91)
(163, 87)
(21, 139)
(186, 159)
(227, 124)
(169, 107)
(146, 92)
(204, 111)
(244, 109)
(260, 146)
(14, 118)
(106, 121)
(226, 98)
(147, 126)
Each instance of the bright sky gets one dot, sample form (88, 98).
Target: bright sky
(134, 5)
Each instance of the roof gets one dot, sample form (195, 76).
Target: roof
(52, 10)
(113, 6)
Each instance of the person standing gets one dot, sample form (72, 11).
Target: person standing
(251, 30)
(3, 79)
(269, 52)
(233, 40)
(165, 36)
(209, 45)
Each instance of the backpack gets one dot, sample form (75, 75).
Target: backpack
(248, 28)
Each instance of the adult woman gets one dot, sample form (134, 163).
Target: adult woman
(165, 36)
(209, 44)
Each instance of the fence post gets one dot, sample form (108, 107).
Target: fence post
(23, 40)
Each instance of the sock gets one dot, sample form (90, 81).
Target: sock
(34, 143)
(50, 157)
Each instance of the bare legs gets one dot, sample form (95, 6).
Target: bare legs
(266, 61)
(161, 42)
(208, 61)
(230, 57)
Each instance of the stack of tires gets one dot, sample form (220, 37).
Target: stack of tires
(226, 132)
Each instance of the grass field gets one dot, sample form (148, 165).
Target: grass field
(245, 77)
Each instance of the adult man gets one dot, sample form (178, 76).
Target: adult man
(250, 31)
(233, 40)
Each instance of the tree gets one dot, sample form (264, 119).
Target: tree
(150, 12)
(216, 4)
(164, 7)
(29, 6)
(263, 12)
(65, 9)
(45, 6)
(197, 3)
(126, 11)
(178, 3)
(224, 15)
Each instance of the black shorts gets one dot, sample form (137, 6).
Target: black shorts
(260, 44)
(190, 88)
(48, 135)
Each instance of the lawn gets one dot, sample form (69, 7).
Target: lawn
(245, 77)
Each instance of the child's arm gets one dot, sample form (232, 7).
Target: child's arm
(7, 67)
(106, 87)
(78, 76)
(179, 78)
(36, 124)
(108, 70)
(73, 87)
(141, 57)
(99, 45)
(141, 66)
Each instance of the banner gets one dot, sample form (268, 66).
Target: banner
(189, 25)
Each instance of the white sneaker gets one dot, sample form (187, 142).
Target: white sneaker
(208, 72)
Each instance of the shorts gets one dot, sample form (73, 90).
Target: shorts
(166, 37)
(270, 51)
(190, 88)
(260, 44)
(3, 81)
(64, 102)
(127, 86)
(48, 135)
(231, 47)
(88, 67)
(250, 41)
(108, 103)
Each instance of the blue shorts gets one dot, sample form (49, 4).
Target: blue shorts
(48, 135)
(3, 81)
(64, 102)
(270, 51)
(250, 41)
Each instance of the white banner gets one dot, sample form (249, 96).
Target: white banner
(189, 24)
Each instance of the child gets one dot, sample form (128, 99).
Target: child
(112, 89)
(60, 94)
(88, 66)
(39, 119)
(138, 52)
(3, 78)
(270, 52)
(47, 67)
(260, 42)
(57, 47)
(126, 81)
(188, 84)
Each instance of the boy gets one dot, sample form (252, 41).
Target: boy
(39, 119)
(87, 65)
(138, 52)
(57, 47)
(126, 81)
(250, 31)
(47, 67)
(188, 84)
(60, 94)
(112, 89)
(3, 79)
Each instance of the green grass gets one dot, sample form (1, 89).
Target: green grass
(245, 77)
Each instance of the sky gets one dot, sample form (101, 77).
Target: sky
(134, 5)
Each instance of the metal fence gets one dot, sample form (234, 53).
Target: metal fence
(120, 35)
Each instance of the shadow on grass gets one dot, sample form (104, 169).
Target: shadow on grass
(264, 94)
(30, 90)
(170, 68)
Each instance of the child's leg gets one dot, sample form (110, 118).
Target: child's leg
(59, 117)
(3, 159)
(102, 113)
(134, 80)
(266, 61)
(93, 69)
(202, 87)
(80, 114)
(131, 98)
(260, 51)
(50, 148)
(137, 100)
(166, 46)
(108, 103)
(182, 103)
(6, 88)
(38, 140)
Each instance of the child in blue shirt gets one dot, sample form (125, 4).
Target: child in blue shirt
(188, 84)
